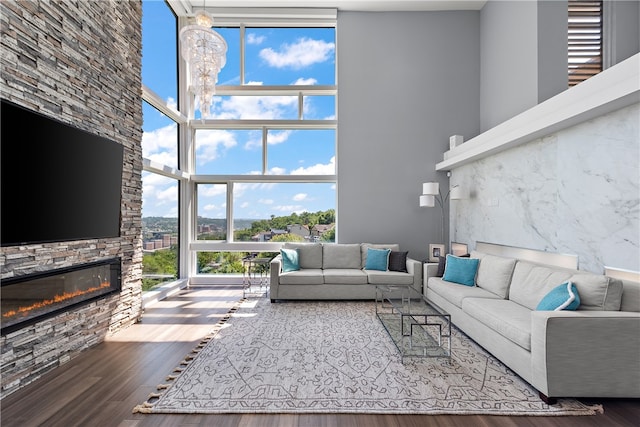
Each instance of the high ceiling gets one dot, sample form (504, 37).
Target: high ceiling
(352, 5)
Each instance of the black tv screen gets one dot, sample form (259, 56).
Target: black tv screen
(58, 183)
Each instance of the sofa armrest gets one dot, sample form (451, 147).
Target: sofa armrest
(430, 270)
(275, 267)
(414, 267)
(586, 353)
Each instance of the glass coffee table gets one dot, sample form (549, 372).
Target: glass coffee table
(417, 327)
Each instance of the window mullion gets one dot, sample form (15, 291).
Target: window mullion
(230, 212)
(300, 106)
(242, 54)
(265, 134)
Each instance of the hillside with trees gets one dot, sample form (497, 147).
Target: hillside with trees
(165, 261)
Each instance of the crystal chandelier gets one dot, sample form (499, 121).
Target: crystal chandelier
(205, 51)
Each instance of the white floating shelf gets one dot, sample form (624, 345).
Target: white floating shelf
(614, 88)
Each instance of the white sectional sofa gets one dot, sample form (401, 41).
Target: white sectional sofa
(593, 351)
(335, 271)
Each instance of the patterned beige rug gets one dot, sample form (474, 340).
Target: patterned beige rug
(335, 357)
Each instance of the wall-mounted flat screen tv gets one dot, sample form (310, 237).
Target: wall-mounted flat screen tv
(58, 182)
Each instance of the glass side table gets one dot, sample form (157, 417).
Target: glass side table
(255, 276)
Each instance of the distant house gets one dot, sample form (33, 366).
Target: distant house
(263, 236)
(319, 229)
(300, 230)
(277, 232)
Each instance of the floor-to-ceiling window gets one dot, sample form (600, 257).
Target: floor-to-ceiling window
(261, 169)
(160, 180)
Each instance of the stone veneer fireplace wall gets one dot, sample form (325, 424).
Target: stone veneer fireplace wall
(78, 62)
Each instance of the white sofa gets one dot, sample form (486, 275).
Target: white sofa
(336, 271)
(591, 352)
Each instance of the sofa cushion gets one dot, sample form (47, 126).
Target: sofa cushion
(305, 276)
(290, 259)
(455, 293)
(630, 296)
(377, 259)
(398, 261)
(562, 297)
(511, 320)
(531, 282)
(442, 262)
(365, 246)
(494, 273)
(598, 292)
(347, 276)
(309, 254)
(461, 270)
(340, 255)
(376, 277)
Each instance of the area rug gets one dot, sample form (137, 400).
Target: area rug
(336, 357)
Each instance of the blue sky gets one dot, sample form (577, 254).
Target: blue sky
(274, 56)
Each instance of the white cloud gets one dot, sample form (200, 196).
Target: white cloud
(277, 171)
(161, 145)
(240, 189)
(252, 38)
(253, 143)
(167, 195)
(300, 197)
(301, 54)
(289, 208)
(211, 142)
(317, 169)
(274, 138)
(160, 196)
(212, 190)
(305, 82)
(266, 201)
(164, 158)
(258, 107)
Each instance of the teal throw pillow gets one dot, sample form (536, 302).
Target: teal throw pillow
(461, 270)
(562, 297)
(290, 260)
(377, 259)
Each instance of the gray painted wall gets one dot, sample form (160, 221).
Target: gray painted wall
(407, 82)
(524, 57)
(552, 48)
(508, 68)
(622, 30)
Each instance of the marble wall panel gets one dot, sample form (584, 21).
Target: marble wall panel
(576, 191)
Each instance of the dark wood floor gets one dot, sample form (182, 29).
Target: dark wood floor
(101, 386)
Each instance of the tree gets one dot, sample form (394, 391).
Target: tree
(287, 238)
(329, 235)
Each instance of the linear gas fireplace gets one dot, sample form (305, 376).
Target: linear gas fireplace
(31, 298)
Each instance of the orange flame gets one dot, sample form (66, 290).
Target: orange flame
(56, 299)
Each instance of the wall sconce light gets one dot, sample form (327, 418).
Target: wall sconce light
(431, 195)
